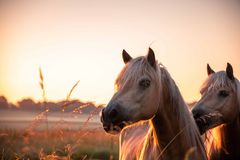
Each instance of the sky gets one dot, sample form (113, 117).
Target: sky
(75, 40)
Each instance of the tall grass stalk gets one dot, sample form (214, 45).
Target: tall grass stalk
(46, 109)
(67, 102)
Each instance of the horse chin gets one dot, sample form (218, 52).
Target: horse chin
(113, 129)
(209, 121)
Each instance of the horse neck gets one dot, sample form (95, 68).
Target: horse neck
(173, 121)
(229, 142)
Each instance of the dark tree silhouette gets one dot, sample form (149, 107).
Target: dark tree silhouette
(27, 104)
(3, 102)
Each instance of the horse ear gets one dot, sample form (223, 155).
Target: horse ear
(209, 70)
(229, 71)
(151, 58)
(126, 57)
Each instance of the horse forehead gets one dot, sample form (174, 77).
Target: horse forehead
(216, 81)
(133, 71)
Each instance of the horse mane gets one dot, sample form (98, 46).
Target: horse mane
(180, 108)
(175, 98)
(134, 134)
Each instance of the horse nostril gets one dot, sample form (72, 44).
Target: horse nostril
(113, 114)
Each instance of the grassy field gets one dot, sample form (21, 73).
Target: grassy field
(58, 144)
(62, 140)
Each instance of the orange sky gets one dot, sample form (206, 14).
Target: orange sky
(82, 40)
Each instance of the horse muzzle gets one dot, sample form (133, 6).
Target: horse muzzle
(206, 120)
(112, 120)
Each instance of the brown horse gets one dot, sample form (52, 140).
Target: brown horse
(220, 106)
(146, 91)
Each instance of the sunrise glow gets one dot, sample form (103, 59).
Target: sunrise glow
(82, 40)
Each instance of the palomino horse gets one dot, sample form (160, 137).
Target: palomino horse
(146, 91)
(220, 106)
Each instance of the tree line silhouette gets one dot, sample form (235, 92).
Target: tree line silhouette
(27, 104)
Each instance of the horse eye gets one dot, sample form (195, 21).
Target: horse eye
(145, 83)
(223, 93)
